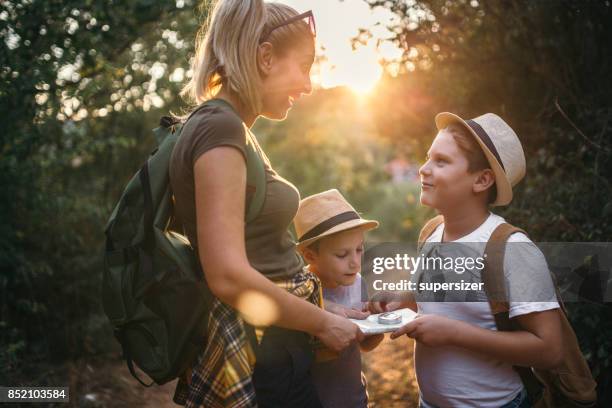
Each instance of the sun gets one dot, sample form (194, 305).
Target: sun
(355, 69)
(363, 73)
(363, 77)
(338, 24)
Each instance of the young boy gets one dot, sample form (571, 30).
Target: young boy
(460, 357)
(330, 237)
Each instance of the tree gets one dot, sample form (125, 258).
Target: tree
(82, 84)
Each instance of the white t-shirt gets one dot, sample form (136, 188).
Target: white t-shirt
(455, 377)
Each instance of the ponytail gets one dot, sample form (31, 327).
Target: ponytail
(227, 46)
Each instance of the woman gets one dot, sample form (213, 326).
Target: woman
(256, 58)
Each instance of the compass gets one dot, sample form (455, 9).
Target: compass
(389, 318)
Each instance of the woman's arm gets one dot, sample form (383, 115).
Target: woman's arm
(538, 345)
(220, 183)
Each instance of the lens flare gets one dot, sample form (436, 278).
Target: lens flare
(257, 309)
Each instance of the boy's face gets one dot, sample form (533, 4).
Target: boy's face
(338, 258)
(445, 180)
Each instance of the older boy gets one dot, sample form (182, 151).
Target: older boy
(460, 357)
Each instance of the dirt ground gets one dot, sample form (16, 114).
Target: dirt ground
(106, 382)
(390, 374)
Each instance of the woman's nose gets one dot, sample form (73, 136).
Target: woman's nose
(307, 88)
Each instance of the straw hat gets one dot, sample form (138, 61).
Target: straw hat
(324, 214)
(501, 146)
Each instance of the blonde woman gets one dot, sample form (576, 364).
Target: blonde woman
(256, 58)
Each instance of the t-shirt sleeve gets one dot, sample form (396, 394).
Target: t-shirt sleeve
(528, 279)
(212, 128)
(356, 293)
(363, 288)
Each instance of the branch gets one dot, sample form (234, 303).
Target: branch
(592, 143)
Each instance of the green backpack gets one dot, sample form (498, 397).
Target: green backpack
(153, 289)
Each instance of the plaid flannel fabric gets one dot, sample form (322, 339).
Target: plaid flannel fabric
(221, 375)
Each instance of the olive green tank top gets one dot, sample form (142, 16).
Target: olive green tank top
(269, 245)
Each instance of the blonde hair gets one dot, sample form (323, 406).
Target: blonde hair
(227, 48)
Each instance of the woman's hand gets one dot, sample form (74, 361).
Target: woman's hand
(431, 330)
(337, 333)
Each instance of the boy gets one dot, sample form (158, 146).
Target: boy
(460, 357)
(331, 235)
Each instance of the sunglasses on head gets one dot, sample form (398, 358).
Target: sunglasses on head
(307, 17)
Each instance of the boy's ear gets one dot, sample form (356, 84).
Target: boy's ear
(484, 180)
(310, 256)
(265, 54)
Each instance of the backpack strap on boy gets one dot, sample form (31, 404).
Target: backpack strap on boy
(495, 288)
(493, 273)
(570, 384)
(428, 229)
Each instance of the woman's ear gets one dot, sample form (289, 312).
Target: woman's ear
(484, 180)
(265, 56)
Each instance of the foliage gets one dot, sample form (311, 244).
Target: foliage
(81, 85)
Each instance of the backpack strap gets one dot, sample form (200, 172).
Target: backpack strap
(493, 276)
(493, 273)
(428, 229)
(256, 170)
(128, 358)
(495, 288)
(256, 179)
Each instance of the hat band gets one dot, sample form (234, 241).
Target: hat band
(483, 135)
(328, 224)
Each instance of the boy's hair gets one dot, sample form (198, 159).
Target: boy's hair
(476, 158)
(314, 246)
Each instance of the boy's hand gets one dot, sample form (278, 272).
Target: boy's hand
(381, 307)
(385, 301)
(370, 342)
(345, 311)
(431, 330)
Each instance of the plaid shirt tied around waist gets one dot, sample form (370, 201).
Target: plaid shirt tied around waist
(221, 375)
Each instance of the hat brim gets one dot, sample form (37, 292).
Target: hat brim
(504, 188)
(366, 225)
